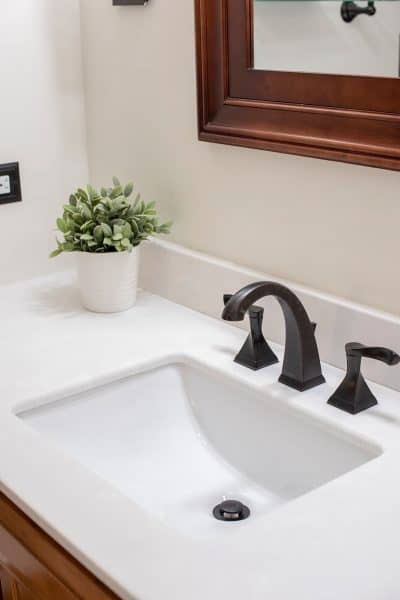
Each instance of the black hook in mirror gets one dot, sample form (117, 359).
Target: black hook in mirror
(350, 10)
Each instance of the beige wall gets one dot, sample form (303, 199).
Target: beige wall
(42, 126)
(328, 225)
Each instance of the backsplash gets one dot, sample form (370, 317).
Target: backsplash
(199, 281)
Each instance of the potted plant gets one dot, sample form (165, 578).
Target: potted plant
(105, 230)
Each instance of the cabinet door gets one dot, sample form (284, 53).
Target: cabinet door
(12, 590)
(33, 566)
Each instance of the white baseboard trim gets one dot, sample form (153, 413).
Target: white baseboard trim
(199, 281)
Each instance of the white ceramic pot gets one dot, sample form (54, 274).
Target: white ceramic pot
(108, 282)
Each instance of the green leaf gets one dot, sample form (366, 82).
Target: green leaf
(134, 226)
(165, 227)
(55, 253)
(127, 230)
(91, 191)
(62, 226)
(116, 181)
(107, 241)
(72, 200)
(117, 191)
(117, 222)
(103, 192)
(86, 212)
(107, 230)
(98, 233)
(117, 205)
(117, 237)
(128, 189)
(70, 209)
(82, 195)
(125, 243)
(70, 223)
(86, 237)
(86, 226)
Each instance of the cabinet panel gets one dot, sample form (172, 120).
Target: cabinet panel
(34, 567)
(12, 590)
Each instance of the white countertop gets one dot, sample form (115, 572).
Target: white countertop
(337, 542)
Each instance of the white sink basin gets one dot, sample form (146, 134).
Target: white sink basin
(179, 439)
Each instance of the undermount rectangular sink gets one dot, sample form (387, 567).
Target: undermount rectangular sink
(179, 439)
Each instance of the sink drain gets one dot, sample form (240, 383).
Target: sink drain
(231, 510)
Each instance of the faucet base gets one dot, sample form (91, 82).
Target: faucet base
(351, 408)
(255, 365)
(302, 386)
(353, 395)
(256, 355)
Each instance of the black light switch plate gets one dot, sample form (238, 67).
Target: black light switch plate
(10, 183)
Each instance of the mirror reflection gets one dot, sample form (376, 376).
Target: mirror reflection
(328, 36)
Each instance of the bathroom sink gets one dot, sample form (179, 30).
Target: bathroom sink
(179, 439)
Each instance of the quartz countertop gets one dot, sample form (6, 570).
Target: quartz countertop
(337, 542)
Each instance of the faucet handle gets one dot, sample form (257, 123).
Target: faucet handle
(255, 352)
(389, 357)
(353, 395)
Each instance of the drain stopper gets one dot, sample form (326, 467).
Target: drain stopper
(231, 510)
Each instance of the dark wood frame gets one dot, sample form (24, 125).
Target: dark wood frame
(338, 117)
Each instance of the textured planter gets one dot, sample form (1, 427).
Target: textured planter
(108, 282)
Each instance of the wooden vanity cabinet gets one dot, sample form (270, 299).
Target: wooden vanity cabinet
(12, 590)
(34, 567)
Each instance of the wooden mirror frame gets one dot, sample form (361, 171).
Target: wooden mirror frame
(346, 118)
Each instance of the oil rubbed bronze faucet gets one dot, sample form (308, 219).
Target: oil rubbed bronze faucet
(301, 363)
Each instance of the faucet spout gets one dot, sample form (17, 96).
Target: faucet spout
(301, 363)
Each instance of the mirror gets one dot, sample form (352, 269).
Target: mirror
(307, 77)
(329, 36)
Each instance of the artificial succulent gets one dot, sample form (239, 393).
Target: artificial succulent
(109, 221)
